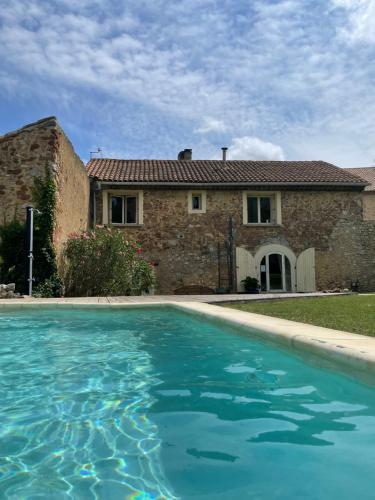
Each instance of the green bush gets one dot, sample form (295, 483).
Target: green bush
(13, 254)
(13, 244)
(102, 262)
(51, 287)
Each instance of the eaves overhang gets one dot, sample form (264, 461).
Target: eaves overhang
(211, 185)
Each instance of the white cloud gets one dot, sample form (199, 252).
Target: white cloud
(361, 20)
(252, 148)
(274, 69)
(211, 125)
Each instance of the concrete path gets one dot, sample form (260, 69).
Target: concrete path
(147, 299)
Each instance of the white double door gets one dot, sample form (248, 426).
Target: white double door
(275, 273)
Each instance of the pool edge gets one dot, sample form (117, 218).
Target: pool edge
(342, 349)
(348, 351)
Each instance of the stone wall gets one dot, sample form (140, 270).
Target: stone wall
(369, 205)
(73, 192)
(350, 256)
(25, 154)
(185, 245)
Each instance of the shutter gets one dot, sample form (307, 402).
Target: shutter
(306, 271)
(245, 263)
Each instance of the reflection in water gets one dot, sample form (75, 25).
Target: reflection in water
(211, 455)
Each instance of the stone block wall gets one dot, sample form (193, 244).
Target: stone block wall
(25, 154)
(73, 192)
(185, 245)
(369, 205)
(350, 256)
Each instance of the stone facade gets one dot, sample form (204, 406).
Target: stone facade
(185, 246)
(190, 248)
(350, 256)
(369, 205)
(25, 154)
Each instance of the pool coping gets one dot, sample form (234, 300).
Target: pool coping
(350, 352)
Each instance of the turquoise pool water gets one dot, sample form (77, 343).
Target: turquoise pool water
(146, 404)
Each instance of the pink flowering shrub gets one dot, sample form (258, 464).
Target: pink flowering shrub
(103, 262)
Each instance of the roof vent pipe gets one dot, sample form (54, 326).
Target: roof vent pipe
(224, 150)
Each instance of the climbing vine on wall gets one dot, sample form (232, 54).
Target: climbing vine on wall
(47, 280)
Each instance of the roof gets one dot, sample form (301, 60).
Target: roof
(366, 173)
(216, 172)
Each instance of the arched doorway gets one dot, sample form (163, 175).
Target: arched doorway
(275, 266)
(275, 273)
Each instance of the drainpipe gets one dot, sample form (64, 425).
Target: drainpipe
(232, 255)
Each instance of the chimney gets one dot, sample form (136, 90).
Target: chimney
(224, 150)
(186, 154)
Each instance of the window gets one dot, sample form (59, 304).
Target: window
(262, 208)
(196, 202)
(124, 209)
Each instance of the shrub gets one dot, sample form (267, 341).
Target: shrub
(102, 262)
(13, 244)
(250, 284)
(13, 254)
(51, 287)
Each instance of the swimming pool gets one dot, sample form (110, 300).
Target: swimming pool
(155, 403)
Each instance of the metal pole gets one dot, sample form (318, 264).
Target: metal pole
(232, 256)
(30, 234)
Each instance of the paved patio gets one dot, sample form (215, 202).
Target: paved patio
(147, 299)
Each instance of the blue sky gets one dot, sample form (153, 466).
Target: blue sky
(270, 79)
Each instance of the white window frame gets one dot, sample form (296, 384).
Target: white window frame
(276, 195)
(203, 196)
(106, 199)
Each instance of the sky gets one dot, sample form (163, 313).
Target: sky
(269, 79)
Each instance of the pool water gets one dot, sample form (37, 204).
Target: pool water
(153, 403)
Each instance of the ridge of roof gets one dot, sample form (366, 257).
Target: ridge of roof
(216, 172)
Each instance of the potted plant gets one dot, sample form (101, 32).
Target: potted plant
(251, 285)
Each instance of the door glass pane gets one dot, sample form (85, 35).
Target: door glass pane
(275, 262)
(252, 209)
(196, 202)
(265, 210)
(116, 209)
(288, 275)
(263, 275)
(131, 210)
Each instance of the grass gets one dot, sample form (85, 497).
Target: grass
(351, 313)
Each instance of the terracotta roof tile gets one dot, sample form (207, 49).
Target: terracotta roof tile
(365, 173)
(218, 172)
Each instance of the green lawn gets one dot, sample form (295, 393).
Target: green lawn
(351, 313)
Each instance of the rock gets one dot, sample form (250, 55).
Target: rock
(8, 291)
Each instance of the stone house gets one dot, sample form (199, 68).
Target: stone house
(368, 174)
(206, 225)
(25, 154)
(295, 226)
